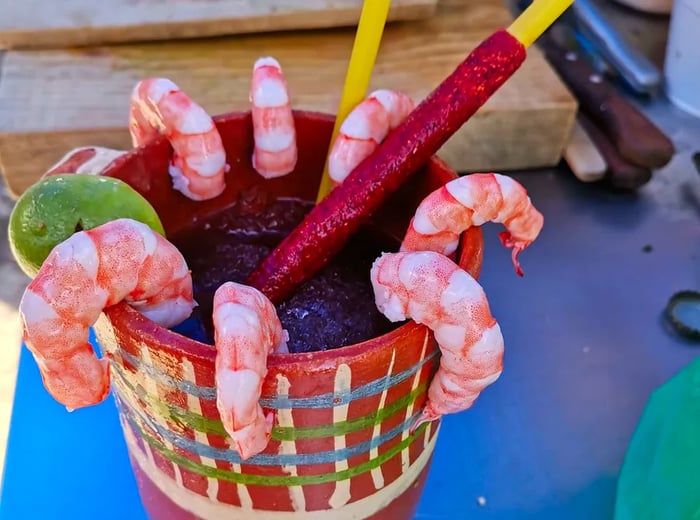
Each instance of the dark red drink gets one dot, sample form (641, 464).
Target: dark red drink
(328, 311)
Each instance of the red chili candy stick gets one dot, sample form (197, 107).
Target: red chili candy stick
(329, 225)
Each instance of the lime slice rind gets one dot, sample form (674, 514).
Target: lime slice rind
(58, 206)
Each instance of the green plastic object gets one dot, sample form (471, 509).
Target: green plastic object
(660, 476)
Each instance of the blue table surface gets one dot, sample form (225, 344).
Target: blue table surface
(585, 346)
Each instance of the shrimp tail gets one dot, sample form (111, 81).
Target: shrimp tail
(427, 415)
(253, 439)
(509, 241)
(238, 391)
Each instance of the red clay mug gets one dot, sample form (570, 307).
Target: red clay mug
(341, 446)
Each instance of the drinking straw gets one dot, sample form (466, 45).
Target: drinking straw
(536, 19)
(364, 54)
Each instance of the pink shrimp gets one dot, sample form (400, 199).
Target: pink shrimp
(364, 128)
(120, 260)
(198, 165)
(246, 330)
(470, 201)
(86, 160)
(431, 289)
(275, 150)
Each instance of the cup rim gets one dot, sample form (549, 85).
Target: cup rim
(152, 333)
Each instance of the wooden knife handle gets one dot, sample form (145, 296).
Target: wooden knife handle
(583, 157)
(636, 137)
(621, 173)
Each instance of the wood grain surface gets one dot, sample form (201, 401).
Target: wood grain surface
(64, 23)
(52, 101)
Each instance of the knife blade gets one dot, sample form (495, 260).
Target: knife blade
(608, 45)
(635, 68)
(591, 53)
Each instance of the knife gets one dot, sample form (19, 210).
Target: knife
(607, 46)
(637, 139)
(621, 173)
(637, 71)
(592, 54)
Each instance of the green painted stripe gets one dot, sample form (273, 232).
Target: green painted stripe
(344, 427)
(180, 416)
(287, 480)
(187, 419)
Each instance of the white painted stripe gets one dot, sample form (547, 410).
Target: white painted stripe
(428, 429)
(405, 460)
(243, 493)
(194, 406)
(151, 387)
(341, 494)
(285, 419)
(103, 158)
(205, 509)
(377, 475)
(94, 166)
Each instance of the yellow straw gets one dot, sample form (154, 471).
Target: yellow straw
(535, 20)
(364, 53)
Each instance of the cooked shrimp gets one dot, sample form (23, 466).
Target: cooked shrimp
(431, 289)
(86, 160)
(470, 201)
(275, 149)
(198, 165)
(365, 127)
(246, 330)
(120, 260)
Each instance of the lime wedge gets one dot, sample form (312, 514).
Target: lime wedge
(58, 206)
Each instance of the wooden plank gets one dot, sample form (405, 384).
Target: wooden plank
(51, 101)
(66, 23)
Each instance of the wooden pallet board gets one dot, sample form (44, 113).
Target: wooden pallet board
(67, 23)
(52, 101)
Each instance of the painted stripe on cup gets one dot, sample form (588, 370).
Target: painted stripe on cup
(341, 387)
(286, 417)
(326, 400)
(203, 508)
(206, 425)
(377, 474)
(263, 459)
(278, 480)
